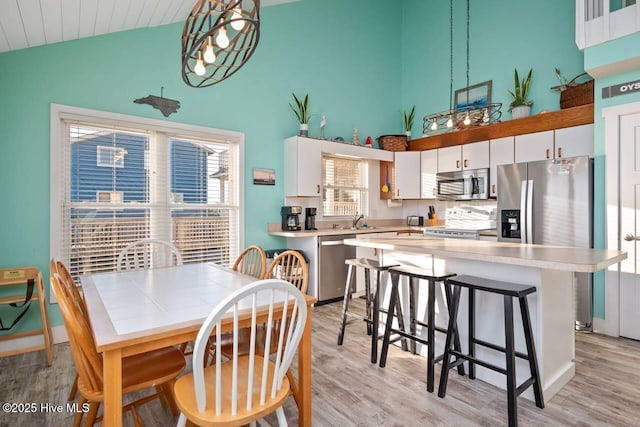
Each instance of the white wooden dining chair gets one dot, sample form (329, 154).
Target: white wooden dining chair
(245, 388)
(148, 253)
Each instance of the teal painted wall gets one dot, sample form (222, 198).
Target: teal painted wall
(503, 36)
(612, 52)
(332, 49)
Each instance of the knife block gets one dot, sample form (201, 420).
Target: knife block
(431, 222)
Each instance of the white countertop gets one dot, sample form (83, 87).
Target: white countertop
(344, 231)
(538, 256)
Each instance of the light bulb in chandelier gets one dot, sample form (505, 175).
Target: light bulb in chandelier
(237, 14)
(209, 56)
(467, 119)
(434, 125)
(199, 69)
(222, 40)
(450, 122)
(485, 116)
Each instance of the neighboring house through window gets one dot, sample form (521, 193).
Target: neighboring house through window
(344, 186)
(118, 179)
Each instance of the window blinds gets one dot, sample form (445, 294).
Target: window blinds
(123, 185)
(344, 186)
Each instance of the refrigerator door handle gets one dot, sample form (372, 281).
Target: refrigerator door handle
(523, 210)
(530, 211)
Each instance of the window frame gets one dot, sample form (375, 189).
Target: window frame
(59, 113)
(363, 188)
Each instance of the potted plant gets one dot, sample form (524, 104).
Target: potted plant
(408, 120)
(302, 113)
(573, 93)
(521, 106)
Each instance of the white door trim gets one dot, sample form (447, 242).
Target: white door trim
(611, 324)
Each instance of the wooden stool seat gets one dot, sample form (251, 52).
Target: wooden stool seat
(372, 310)
(509, 291)
(31, 277)
(415, 274)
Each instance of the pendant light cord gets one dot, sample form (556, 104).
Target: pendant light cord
(451, 55)
(467, 52)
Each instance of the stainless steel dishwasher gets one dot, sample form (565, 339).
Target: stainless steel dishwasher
(332, 271)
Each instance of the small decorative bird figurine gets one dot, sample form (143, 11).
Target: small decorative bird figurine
(323, 123)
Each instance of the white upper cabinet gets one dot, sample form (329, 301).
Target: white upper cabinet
(475, 156)
(464, 157)
(501, 153)
(534, 146)
(407, 174)
(428, 170)
(449, 158)
(302, 167)
(574, 141)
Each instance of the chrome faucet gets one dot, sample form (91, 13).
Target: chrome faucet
(357, 219)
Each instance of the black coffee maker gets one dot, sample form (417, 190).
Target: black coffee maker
(290, 218)
(310, 219)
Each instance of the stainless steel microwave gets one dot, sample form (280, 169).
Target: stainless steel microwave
(463, 185)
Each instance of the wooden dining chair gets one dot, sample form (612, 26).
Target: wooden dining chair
(157, 368)
(252, 262)
(58, 267)
(290, 266)
(245, 388)
(148, 253)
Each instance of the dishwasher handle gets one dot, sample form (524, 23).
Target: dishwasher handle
(332, 243)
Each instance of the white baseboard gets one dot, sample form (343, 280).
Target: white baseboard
(11, 345)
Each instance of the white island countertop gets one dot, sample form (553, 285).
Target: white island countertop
(539, 256)
(346, 231)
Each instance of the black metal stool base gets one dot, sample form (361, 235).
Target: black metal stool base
(414, 275)
(372, 316)
(509, 291)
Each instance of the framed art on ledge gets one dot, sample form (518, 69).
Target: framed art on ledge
(475, 96)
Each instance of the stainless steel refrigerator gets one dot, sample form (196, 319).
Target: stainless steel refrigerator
(550, 202)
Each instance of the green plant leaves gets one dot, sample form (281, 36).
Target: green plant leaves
(301, 108)
(408, 118)
(521, 89)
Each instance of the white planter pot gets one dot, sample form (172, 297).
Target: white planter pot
(520, 111)
(408, 133)
(304, 129)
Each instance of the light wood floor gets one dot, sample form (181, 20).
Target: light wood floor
(349, 391)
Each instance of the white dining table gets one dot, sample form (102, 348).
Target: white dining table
(132, 312)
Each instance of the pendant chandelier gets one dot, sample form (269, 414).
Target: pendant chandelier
(217, 39)
(457, 118)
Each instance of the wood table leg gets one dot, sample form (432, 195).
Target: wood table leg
(112, 373)
(304, 374)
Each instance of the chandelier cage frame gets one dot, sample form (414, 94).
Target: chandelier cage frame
(200, 30)
(455, 118)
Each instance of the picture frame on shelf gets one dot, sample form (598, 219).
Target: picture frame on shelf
(479, 95)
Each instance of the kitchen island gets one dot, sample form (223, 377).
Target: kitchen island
(549, 268)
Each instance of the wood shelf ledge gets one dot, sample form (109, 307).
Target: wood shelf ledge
(568, 117)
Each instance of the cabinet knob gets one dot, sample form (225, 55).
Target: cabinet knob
(559, 151)
(318, 189)
(398, 192)
(547, 153)
(466, 163)
(457, 164)
(493, 189)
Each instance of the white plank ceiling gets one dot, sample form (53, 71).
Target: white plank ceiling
(29, 23)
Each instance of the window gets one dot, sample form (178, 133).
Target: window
(344, 186)
(110, 156)
(152, 179)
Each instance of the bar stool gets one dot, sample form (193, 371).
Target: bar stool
(372, 311)
(415, 274)
(509, 291)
